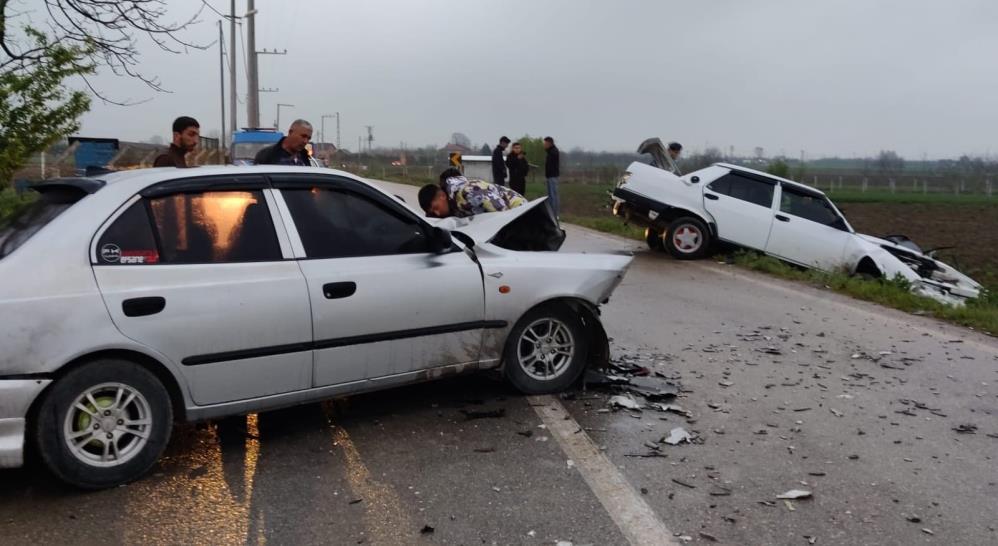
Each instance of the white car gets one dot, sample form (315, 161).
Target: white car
(151, 296)
(759, 211)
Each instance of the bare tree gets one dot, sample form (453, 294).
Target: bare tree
(106, 33)
(890, 163)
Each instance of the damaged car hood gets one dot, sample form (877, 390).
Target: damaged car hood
(532, 226)
(928, 276)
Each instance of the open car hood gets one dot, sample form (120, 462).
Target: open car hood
(532, 226)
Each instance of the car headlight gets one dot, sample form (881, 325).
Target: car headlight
(623, 179)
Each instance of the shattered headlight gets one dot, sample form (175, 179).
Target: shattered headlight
(623, 179)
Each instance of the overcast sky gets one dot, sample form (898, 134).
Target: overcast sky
(846, 78)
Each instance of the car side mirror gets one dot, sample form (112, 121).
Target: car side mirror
(440, 240)
(695, 179)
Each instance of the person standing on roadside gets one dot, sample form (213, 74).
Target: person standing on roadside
(552, 171)
(518, 167)
(186, 134)
(498, 165)
(290, 150)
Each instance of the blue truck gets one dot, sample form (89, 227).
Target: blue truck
(249, 141)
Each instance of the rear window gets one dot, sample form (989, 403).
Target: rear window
(16, 229)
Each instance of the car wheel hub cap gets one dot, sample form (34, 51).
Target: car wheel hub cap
(545, 349)
(107, 425)
(687, 239)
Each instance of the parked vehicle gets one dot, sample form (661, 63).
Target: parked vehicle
(161, 295)
(250, 140)
(755, 210)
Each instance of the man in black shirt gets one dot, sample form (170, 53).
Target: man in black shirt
(290, 150)
(186, 134)
(552, 170)
(498, 163)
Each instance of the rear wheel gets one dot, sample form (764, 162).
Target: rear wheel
(546, 351)
(654, 238)
(687, 238)
(103, 424)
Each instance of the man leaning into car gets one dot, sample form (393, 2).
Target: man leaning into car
(459, 196)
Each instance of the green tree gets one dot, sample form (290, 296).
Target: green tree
(534, 148)
(36, 109)
(778, 167)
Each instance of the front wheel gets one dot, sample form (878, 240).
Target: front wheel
(103, 424)
(687, 238)
(546, 351)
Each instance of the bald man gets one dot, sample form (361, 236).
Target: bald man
(290, 150)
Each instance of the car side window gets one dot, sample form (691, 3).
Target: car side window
(810, 207)
(753, 191)
(337, 223)
(214, 227)
(129, 240)
(205, 227)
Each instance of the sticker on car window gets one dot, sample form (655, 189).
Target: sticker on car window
(110, 253)
(139, 257)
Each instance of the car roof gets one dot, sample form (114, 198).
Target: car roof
(782, 180)
(141, 178)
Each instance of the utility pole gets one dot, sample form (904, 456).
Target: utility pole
(252, 80)
(358, 144)
(221, 78)
(370, 137)
(322, 131)
(253, 76)
(232, 69)
(277, 122)
(337, 130)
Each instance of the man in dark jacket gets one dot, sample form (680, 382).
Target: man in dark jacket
(498, 165)
(518, 167)
(186, 134)
(552, 170)
(290, 150)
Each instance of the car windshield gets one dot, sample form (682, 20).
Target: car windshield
(247, 151)
(24, 222)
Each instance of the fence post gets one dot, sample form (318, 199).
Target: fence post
(864, 184)
(925, 186)
(963, 185)
(815, 181)
(987, 187)
(892, 184)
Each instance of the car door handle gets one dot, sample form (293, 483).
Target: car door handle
(141, 307)
(337, 290)
(782, 218)
(711, 196)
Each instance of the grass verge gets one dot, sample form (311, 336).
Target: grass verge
(980, 314)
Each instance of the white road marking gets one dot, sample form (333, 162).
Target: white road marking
(635, 519)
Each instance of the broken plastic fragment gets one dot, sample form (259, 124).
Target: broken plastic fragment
(673, 408)
(624, 401)
(795, 494)
(677, 436)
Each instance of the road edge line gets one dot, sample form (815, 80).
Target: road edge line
(636, 520)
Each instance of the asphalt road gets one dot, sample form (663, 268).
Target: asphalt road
(787, 387)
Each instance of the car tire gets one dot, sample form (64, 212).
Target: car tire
(654, 238)
(125, 409)
(687, 238)
(546, 351)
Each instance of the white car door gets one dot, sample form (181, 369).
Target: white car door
(808, 230)
(383, 305)
(742, 206)
(196, 271)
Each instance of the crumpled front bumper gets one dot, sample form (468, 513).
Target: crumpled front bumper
(16, 397)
